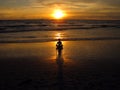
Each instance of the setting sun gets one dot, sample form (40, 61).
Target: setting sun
(58, 14)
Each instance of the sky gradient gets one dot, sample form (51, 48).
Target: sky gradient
(75, 9)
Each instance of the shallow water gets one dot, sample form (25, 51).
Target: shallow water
(72, 49)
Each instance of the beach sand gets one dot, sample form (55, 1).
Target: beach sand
(82, 65)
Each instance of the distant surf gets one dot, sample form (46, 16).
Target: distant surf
(49, 25)
(46, 30)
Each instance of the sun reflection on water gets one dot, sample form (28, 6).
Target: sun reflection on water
(58, 36)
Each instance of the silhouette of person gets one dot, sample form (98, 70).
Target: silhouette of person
(59, 44)
(59, 47)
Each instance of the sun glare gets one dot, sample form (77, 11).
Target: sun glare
(58, 36)
(58, 14)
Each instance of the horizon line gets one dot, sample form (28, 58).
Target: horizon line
(63, 19)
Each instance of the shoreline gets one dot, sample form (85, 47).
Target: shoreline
(72, 39)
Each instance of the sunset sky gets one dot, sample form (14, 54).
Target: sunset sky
(74, 9)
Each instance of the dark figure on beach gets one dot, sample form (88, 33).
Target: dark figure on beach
(59, 46)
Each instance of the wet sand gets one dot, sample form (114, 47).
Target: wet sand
(82, 65)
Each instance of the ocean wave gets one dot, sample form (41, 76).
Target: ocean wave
(47, 25)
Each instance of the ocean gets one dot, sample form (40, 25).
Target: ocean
(13, 31)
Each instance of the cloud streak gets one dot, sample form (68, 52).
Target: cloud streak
(94, 8)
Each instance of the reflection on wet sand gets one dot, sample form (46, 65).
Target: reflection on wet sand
(60, 62)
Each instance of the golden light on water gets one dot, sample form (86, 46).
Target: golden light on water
(58, 36)
(58, 14)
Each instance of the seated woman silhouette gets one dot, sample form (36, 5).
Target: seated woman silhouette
(59, 45)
